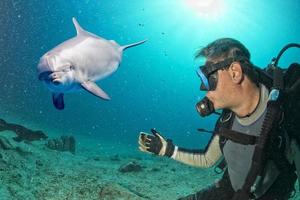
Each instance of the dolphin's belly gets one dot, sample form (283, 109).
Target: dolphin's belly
(71, 88)
(96, 58)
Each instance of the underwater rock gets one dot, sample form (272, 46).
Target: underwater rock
(22, 132)
(5, 144)
(115, 157)
(115, 191)
(155, 169)
(30, 135)
(3, 124)
(130, 167)
(23, 151)
(5, 194)
(39, 163)
(3, 165)
(97, 158)
(64, 143)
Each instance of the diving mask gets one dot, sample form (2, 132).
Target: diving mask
(208, 73)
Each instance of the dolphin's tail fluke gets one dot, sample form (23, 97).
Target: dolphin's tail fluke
(122, 48)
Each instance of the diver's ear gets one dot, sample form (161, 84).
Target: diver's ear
(236, 72)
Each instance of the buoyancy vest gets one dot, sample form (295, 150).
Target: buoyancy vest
(239, 156)
(271, 157)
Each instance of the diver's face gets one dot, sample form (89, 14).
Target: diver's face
(222, 95)
(220, 79)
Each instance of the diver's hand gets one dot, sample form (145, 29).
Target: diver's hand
(155, 144)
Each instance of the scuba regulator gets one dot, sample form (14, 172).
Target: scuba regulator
(205, 107)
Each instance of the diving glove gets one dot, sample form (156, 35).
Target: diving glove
(155, 144)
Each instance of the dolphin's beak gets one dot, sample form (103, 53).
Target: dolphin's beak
(49, 76)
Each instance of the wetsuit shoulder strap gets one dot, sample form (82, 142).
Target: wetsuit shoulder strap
(237, 137)
(224, 121)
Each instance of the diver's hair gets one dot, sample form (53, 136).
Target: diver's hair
(223, 48)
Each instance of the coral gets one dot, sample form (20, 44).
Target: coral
(64, 143)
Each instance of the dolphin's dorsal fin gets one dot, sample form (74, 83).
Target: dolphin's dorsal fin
(79, 30)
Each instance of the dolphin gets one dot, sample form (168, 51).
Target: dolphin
(78, 63)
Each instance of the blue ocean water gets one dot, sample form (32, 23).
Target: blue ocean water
(156, 84)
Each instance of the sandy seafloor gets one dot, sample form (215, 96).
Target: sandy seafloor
(32, 171)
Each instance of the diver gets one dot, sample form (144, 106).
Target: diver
(249, 143)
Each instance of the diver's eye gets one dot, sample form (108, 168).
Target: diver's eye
(213, 76)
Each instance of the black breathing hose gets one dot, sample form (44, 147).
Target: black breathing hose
(283, 50)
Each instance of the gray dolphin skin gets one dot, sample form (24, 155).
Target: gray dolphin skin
(78, 63)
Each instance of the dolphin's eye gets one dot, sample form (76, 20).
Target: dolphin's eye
(69, 68)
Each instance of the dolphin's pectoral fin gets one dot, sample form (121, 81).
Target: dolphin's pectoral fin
(58, 100)
(95, 89)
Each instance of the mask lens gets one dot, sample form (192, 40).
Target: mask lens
(213, 80)
(210, 83)
(205, 82)
(208, 73)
